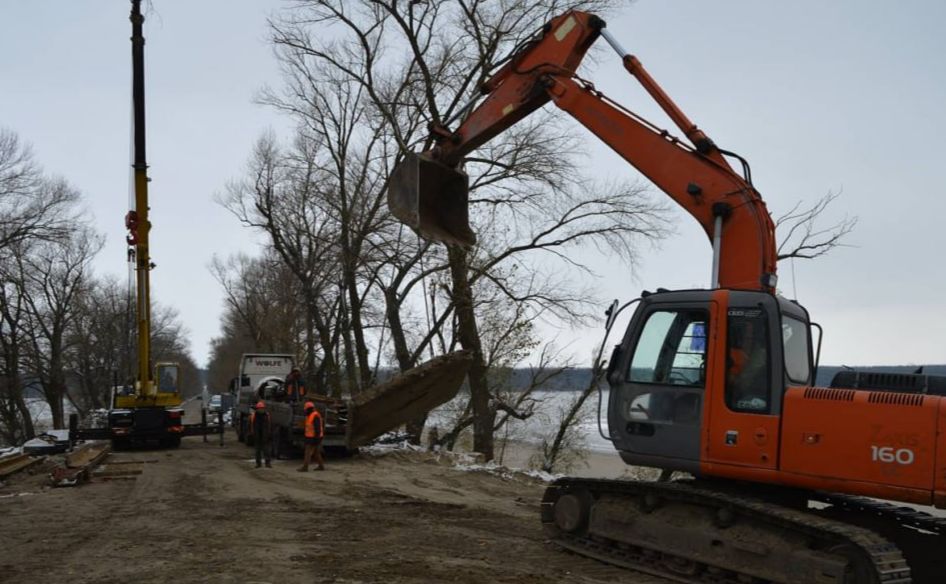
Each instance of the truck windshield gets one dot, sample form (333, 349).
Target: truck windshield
(795, 342)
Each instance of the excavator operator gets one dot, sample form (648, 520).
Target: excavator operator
(746, 363)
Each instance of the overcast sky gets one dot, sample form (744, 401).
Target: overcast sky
(818, 96)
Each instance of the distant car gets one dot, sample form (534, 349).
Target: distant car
(216, 403)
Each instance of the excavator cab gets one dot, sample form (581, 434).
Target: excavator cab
(432, 198)
(701, 374)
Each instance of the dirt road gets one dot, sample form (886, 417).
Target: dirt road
(203, 513)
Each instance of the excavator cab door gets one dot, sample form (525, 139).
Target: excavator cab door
(658, 382)
(744, 401)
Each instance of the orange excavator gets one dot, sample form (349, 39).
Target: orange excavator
(784, 480)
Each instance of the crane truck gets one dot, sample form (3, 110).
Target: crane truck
(151, 408)
(785, 479)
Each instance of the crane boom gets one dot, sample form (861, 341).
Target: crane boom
(153, 410)
(137, 220)
(428, 192)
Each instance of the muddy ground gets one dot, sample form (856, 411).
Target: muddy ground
(203, 513)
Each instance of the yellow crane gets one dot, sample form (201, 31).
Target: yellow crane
(152, 409)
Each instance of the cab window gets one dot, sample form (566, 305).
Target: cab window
(797, 354)
(671, 349)
(167, 378)
(747, 361)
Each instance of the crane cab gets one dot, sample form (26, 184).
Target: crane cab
(721, 383)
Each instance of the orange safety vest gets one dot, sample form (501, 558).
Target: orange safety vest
(310, 428)
(295, 386)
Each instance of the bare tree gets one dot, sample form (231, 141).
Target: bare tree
(261, 296)
(32, 206)
(54, 275)
(330, 113)
(559, 452)
(281, 197)
(16, 422)
(100, 340)
(261, 312)
(801, 235)
(36, 212)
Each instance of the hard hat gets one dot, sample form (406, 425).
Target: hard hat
(309, 406)
(260, 405)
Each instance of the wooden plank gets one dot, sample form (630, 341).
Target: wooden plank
(13, 464)
(88, 454)
(114, 472)
(79, 464)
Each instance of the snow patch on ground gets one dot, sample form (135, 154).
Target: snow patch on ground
(11, 451)
(23, 494)
(387, 448)
(508, 473)
(59, 435)
(461, 461)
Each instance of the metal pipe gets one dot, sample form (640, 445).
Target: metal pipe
(614, 43)
(717, 244)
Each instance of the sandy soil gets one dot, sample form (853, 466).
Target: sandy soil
(203, 513)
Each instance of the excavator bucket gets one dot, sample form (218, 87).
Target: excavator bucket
(432, 198)
(406, 396)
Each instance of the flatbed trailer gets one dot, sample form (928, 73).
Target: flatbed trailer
(356, 421)
(167, 435)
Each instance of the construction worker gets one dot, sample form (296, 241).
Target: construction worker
(314, 431)
(295, 385)
(262, 427)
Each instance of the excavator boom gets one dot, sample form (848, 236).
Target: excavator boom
(429, 191)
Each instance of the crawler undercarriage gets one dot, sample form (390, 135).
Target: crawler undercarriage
(700, 532)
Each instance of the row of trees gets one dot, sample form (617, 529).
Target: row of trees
(66, 336)
(347, 287)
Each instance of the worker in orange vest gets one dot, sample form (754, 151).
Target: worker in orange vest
(314, 431)
(262, 427)
(295, 385)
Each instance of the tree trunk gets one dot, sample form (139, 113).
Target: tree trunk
(354, 310)
(469, 337)
(351, 366)
(29, 431)
(415, 428)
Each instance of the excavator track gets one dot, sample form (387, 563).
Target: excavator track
(688, 533)
(904, 516)
(920, 535)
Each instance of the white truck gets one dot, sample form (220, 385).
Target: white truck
(349, 423)
(262, 377)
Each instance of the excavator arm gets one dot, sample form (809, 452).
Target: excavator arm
(429, 192)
